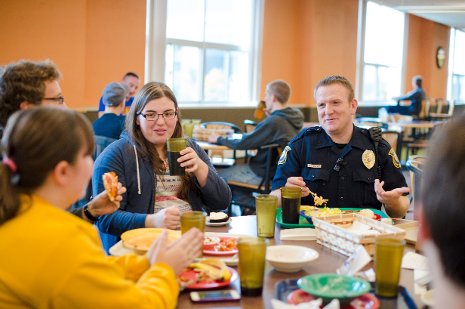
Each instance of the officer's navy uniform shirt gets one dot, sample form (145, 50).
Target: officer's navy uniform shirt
(313, 155)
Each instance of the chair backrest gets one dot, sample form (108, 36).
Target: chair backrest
(221, 125)
(392, 137)
(270, 164)
(101, 142)
(249, 125)
(425, 108)
(444, 107)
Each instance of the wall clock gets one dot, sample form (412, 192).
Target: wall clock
(440, 57)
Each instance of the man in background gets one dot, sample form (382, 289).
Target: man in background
(442, 213)
(416, 96)
(111, 124)
(131, 80)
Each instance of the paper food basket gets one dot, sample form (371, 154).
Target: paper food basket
(332, 234)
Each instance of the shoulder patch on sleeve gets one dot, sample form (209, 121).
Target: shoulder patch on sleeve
(394, 158)
(283, 157)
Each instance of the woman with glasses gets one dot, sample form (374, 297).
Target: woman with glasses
(140, 159)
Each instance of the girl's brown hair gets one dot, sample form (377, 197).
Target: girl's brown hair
(34, 142)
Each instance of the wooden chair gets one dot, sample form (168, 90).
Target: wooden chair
(425, 108)
(273, 150)
(441, 109)
(420, 142)
(393, 138)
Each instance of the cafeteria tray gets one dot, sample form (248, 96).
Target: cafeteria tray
(403, 300)
(304, 223)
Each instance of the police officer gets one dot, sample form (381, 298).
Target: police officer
(340, 161)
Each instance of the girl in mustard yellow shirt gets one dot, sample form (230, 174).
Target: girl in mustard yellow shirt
(52, 259)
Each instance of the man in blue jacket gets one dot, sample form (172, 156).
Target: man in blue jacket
(416, 96)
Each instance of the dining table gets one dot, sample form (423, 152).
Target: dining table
(327, 262)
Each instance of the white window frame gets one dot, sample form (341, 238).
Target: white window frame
(155, 52)
(451, 74)
(362, 12)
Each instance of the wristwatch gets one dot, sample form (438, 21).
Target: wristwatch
(88, 214)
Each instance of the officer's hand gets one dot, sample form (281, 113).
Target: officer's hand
(389, 197)
(298, 182)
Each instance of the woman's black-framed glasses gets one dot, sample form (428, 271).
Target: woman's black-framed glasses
(153, 116)
(59, 100)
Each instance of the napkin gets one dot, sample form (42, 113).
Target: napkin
(413, 260)
(314, 304)
(298, 234)
(359, 259)
(421, 280)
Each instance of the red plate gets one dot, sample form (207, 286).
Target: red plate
(190, 274)
(365, 301)
(207, 250)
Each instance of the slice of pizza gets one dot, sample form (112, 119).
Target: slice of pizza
(110, 182)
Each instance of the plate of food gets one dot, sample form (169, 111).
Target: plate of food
(210, 273)
(221, 246)
(217, 219)
(141, 239)
(310, 211)
(330, 286)
(366, 301)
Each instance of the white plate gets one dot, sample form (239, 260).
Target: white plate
(427, 298)
(207, 222)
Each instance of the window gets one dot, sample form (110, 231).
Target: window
(211, 50)
(456, 84)
(382, 56)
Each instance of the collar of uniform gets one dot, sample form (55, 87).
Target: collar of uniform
(358, 140)
(361, 138)
(324, 141)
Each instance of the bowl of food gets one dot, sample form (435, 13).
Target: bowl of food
(333, 286)
(290, 259)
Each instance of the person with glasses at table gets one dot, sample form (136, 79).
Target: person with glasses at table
(27, 84)
(140, 159)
